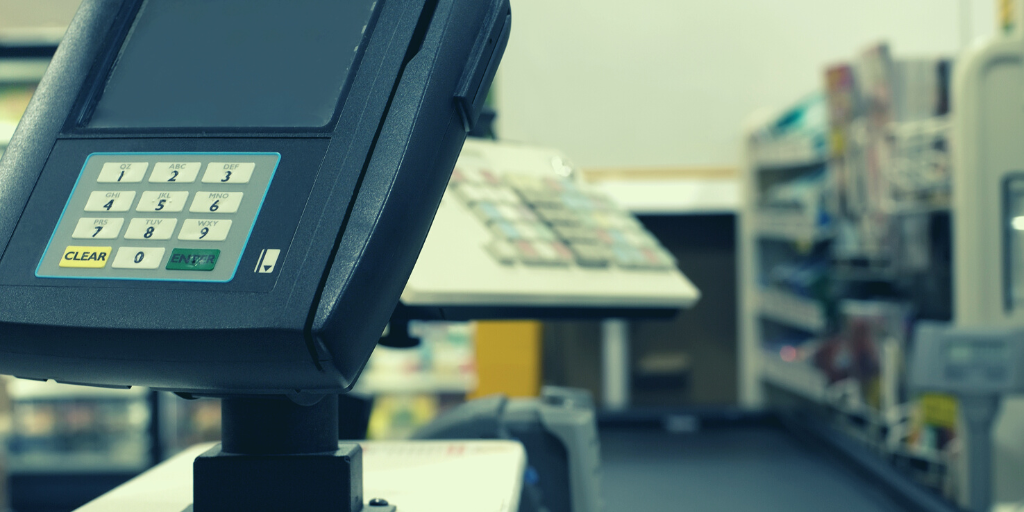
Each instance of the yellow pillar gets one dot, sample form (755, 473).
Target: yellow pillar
(508, 358)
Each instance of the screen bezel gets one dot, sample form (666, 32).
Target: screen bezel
(120, 31)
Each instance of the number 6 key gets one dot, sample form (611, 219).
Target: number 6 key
(216, 202)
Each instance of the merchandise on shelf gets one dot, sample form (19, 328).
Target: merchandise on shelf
(889, 146)
(797, 136)
(398, 416)
(803, 196)
(869, 350)
(411, 385)
(57, 427)
(443, 362)
(446, 347)
(189, 422)
(882, 237)
(920, 163)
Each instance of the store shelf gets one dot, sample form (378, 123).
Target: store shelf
(23, 389)
(929, 457)
(675, 197)
(74, 463)
(32, 36)
(788, 153)
(789, 226)
(23, 71)
(6, 132)
(797, 377)
(792, 310)
(379, 383)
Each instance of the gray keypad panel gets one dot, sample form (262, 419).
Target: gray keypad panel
(555, 221)
(159, 217)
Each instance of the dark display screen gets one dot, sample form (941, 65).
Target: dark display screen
(233, 64)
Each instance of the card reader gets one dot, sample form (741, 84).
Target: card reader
(227, 198)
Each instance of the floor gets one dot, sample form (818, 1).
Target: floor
(728, 470)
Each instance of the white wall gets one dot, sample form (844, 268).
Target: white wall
(669, 82)
(30, 17)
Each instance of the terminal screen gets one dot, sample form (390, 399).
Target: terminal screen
(233, 64)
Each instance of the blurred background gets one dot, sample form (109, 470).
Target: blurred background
(793, 155)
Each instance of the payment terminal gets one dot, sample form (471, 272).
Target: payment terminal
(227, 197)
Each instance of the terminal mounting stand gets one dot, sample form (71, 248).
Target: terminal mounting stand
(278, 455)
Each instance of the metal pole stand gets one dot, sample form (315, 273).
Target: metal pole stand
(278, 455)
(979, 414)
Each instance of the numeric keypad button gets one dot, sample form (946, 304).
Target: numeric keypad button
(166, 202)
(123, 172)
(110, 201)
(205, 230)
(216, 202)
(139, 258)
(228, 172)
(150, 229)
(98, 228)
(175, 172)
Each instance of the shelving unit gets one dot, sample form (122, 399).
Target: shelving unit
(18, 77)
(792, 310)
(790, 226)
(79, 440)
(797, 377)
(789, 152)
(428, 383)
(77, 429)
(830, 294)
(772, 235)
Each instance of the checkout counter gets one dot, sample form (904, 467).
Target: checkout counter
(286, 225)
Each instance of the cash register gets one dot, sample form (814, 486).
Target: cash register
(226, 198)
(519, 233)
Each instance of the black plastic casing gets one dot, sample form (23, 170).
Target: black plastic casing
(362, 200)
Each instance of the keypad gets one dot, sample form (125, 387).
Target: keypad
(538, 220)
(184, 216)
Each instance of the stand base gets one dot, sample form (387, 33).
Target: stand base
(272, 483)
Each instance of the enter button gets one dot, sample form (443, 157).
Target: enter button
(193, 259)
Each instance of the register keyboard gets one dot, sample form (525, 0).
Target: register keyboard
(518, 229)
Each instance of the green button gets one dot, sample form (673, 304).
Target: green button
(193, 259)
